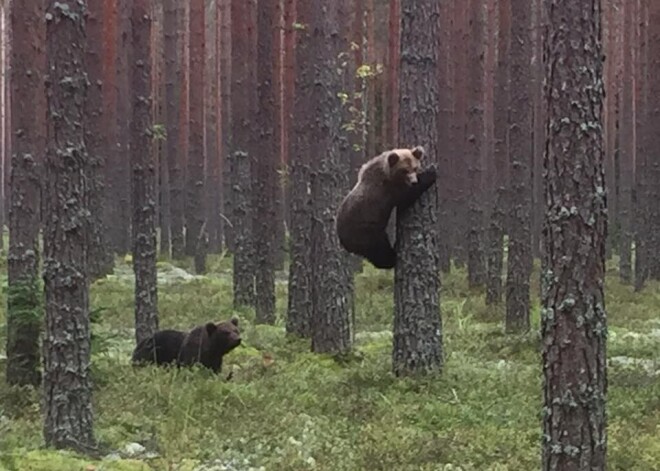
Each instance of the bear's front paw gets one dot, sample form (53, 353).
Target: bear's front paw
(430, 174)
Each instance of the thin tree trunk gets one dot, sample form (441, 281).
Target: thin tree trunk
(475, 141)
(268, 28)
(627, 150)
(519, 262)
(653, 162)
(574, 325)
(196, 225)
(640, 203)
(227, 120)
(28, 110)
(242, 209)
(100, 258)
(501, 155)
(417, 343)
(68, 416)
(144, 176)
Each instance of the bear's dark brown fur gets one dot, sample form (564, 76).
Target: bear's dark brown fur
(390, 180)
(207, 344)
(162, 348)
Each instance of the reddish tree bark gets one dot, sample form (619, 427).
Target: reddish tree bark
(122, 185)
(500, 156)
(100, 257)
(474, 144)
(394, 46)
(28, 111)
(519, 261)
(178, 170)
(196, 229)
(653, 162)
(574, 325)
(242, 103)
(227, 119)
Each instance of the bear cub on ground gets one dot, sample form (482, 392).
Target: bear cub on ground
(207, 344)
(162, 348)
(390, 180)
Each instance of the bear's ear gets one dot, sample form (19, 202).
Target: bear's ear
(234, 320)
(211, 328)
(418, 152)
(392, 159)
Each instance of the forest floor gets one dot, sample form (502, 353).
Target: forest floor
(308, 412)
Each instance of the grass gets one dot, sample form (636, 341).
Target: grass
(305, 411)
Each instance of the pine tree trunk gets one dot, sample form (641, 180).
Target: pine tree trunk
(417, 344)
(501, 155)
(268, 28)
(653, 162)
(627, 150)
(67, 376)
(574, 325)
(519, 262)
(28, 110)
(474, 145)
(332, 275)
(100, 258)
(196, 192)
(144, 176)
(242, 193)
(640, 204)
(299, 311)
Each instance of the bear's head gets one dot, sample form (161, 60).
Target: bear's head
(224, 336)
(404, 164)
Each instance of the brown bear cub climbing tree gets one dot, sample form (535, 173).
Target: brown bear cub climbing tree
(390, 180)
(207, 344)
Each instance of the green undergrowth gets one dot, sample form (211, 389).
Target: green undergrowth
(288, 409)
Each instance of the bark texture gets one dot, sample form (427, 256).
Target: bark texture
(653, 162)
(299, 310)
(241, 171)
(196, 225)
(501, 154)
(143, 176)
(100, 257)
(68, 417)
(417, 344)
(574, 323)
(519, 261)
(28, 111)
(332, 277)
(265, 222)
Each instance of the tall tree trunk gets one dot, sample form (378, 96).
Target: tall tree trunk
(4, 114)
(144, 176)
(196, 226)
(122, 177)
(299, 311)
(67, 377)
(288, 89)
(178, 171)
(28, 110)
(268, 28)
(474, 145)
(642, 151)
(537, 130)
(627, 150)
(172, 92)
(242, 214)
(417, 343)
(332, 276)
(212, 182)
(444, 156)
(227, 120)
(519, 262)
(100, 258)
(501, 155)
(653, 162)
(110, 91)
(574, 325)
